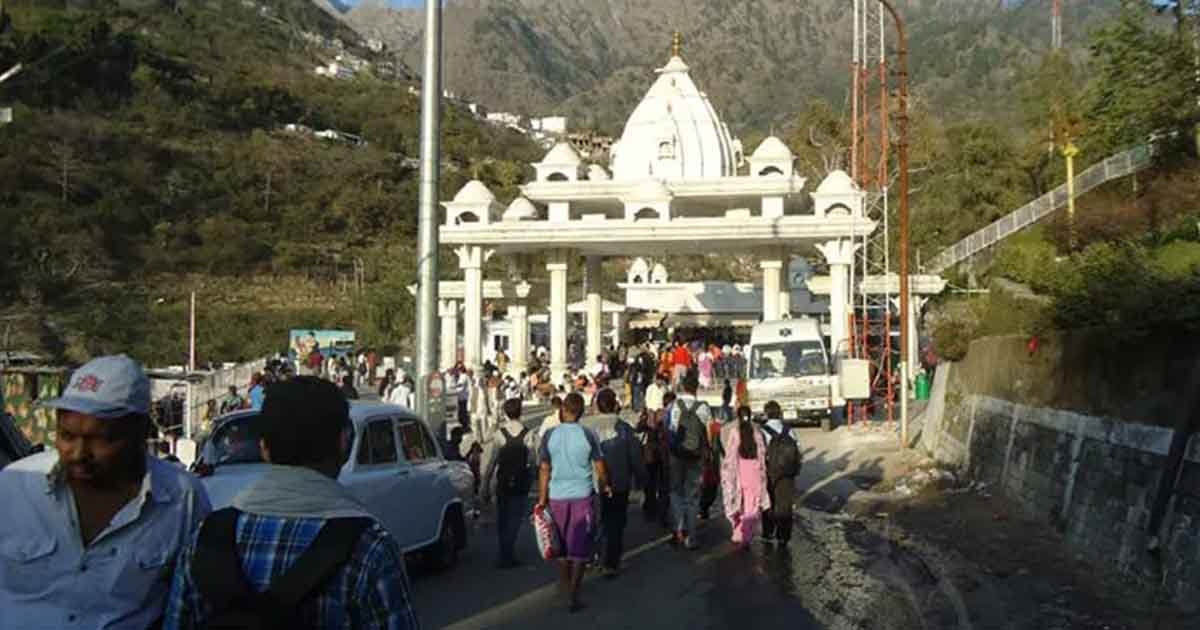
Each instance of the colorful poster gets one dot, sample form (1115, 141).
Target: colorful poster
(304, 342)
(21, 392)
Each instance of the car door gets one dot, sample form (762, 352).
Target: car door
(436, 491)
(384, 481)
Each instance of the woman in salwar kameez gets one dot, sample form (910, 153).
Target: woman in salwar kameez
(744, 477)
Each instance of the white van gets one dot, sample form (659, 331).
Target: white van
(788, 363)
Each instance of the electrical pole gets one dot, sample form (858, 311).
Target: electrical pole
(1056, 26)
(1070, 151)
(427, 222)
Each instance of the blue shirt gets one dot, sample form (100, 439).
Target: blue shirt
(370, 592)
(256, 397)
(49, 580)
(571, 449)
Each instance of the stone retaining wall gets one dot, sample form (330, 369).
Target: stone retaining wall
(1092, 478)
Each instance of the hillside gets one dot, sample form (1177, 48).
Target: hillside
(759, 60)
(151, 154)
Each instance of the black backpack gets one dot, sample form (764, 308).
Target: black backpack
(513, 476)
(217, 573)
(690, 440)
(783, 455)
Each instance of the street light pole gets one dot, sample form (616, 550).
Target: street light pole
(1070, 152)
(427, 222)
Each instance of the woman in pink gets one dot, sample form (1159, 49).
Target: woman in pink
(705, 364)
(744, 477)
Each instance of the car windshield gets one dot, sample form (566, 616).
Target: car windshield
(794, 358)
(235, 441)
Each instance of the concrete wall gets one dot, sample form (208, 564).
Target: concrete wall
(1092, 478)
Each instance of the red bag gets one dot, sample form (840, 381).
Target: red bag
(548, 541)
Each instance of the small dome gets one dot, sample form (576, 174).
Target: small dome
(837, 182)
(597, 173)
(772, 149)
(639, 271)
(659, 274)
(475, 191)
(562, 153)
(650, 189)
(521, 209)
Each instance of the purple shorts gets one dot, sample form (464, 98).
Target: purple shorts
(573, 518)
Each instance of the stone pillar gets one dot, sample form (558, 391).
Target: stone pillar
(618, 327)
(595, 311)
(840, 255)
(916, 304)
(557, 264)
(770, 288)
(470, 260)
(448, 310)
(785, 290)
(518, 313)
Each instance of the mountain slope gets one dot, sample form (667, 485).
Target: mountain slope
(155, 148)
(759, 60)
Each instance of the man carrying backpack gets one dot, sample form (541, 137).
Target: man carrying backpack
(783, 466)
(690, 450)
(296, 550)
(622, 454)
(510, 464)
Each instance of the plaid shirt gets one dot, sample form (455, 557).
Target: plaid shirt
(370, 592)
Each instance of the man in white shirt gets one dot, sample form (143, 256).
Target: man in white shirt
(96, 523)
(509, 480)
(654, 395)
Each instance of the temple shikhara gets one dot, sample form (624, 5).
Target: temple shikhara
(679, 184)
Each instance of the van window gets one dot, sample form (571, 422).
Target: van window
(790, 359)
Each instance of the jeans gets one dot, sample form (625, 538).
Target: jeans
(614, 512)
(511, 511)
(685, 493)
(708, 496)
(639, 397)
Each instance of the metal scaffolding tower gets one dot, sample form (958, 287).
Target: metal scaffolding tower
(873, 314)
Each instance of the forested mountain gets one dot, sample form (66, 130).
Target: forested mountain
(760, 60)
(150, 154)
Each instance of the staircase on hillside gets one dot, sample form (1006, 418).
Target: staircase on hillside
(1117, 166)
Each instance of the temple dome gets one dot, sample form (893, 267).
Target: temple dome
(772, 149)
(674, 133)
(563, 154)
(520, 209)
(474, 191)
(836, 182)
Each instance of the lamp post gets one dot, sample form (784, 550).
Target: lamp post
(427, 226)
(1069, 152)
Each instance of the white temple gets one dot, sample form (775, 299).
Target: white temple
(679, 185)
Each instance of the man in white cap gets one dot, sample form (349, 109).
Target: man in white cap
(93, 527)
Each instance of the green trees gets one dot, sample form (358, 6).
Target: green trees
(153, 140)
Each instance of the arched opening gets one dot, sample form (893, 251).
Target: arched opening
(838, 210)
(466, 217)
(557, 177)
(646, 213)
(666, 150)
(770, 170)
(638, 280)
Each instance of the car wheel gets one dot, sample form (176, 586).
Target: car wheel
(443, 554)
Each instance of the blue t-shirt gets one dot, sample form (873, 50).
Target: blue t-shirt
(256, 397)
(570, 449)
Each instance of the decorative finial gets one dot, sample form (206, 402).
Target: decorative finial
(676, 44)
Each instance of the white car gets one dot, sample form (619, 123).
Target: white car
(395, 468)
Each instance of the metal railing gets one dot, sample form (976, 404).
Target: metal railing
(1114, 167)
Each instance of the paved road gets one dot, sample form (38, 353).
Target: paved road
(662, 586)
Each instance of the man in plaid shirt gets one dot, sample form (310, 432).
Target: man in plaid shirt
(304, 427)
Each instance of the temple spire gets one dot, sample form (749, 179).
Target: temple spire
(676, 44)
